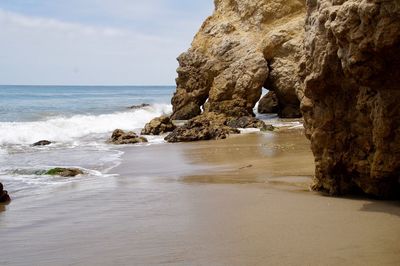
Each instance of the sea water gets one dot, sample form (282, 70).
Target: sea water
(78, 120)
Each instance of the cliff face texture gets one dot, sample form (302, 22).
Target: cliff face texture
(243, 46)
(351, 100)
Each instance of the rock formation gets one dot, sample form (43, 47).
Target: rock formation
(268, 104)
(203, 127)
(158, 125)
(120, 137)
(351, 95)
(243, 46)
(4, 197)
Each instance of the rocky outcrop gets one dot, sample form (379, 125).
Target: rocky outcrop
(120, 137)
(65, 172)
(4, 197)
(158, 126)
(207, 126)
(268, 104)
(243, 46)
(351, 95)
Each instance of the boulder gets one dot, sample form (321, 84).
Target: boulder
(268, 104)
(65, 172)
(120, 137)
(243, 46)
(42, 143)
(207, 126)
(351, 94)
(158, 126)
(4, 197)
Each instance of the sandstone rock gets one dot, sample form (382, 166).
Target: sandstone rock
(268, 104)
(351, 95)
(42, 143)
(4, 197)
(204, 127)
(120, 137)
(65, 172)
(158, 125)
(234, 52)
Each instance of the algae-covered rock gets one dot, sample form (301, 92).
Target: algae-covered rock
(65, 172)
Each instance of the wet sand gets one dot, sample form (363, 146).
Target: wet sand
(240, 201)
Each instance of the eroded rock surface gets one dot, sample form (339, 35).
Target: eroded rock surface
(158, 125)
(268, 104)
(243, 46)
(120, 137)
(351, 95)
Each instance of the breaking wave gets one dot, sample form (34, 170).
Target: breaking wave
(67, 129)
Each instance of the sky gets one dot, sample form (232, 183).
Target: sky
(96, 42)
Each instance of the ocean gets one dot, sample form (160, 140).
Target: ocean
(79, 120)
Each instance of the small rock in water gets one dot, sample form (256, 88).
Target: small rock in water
(120, 137)
(42, 143)
(135, 107)
(4, 197)
(65, 172)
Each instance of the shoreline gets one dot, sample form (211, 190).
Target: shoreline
(159, 210)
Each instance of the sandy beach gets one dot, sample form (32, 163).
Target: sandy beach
(239, 201)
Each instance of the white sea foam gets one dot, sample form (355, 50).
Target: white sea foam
(69, 129)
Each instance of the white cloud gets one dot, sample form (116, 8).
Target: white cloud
(11, 19)
(45, 50)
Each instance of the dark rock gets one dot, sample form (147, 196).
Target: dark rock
(204, 127)
(268, 104)
(245, 122)
(290, 111)
(4, 197)
(158, 126)
(140, 106)
(121, 137)
(42, 143)
(65, 172)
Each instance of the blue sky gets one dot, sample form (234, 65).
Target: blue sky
(96, 42)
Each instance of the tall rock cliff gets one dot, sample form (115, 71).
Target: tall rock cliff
(351, 100)
(243, 46)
